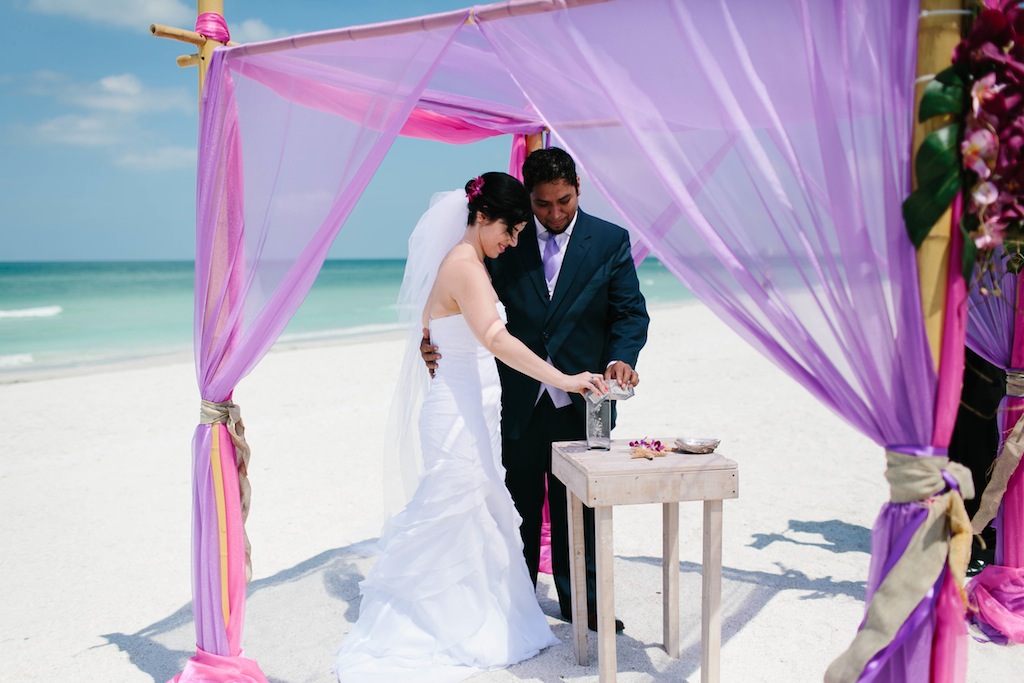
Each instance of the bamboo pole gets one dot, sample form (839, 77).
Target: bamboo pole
(207, 48)
(426, 23)
(161, 31)
(206, 45)
(939, 29)
(534, 142)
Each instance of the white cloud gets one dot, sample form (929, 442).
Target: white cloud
(160, 159)
(111, 113)
(253, 31)
(80, 131)
(118, 92)
(128, 94)
(137, 14)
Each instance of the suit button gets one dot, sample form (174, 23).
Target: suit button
(547, 336)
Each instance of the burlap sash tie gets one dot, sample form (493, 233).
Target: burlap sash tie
(944, 536)
(1006, 464)
(230, 415)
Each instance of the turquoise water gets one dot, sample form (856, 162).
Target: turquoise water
(68, 314)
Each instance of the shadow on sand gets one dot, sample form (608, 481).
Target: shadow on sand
(161, 649)
(311, 605)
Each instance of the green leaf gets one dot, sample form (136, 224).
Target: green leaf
(952, 75)
(970, 253)
(940, 98)
(926, 204)
(918, 214)
(939, 156)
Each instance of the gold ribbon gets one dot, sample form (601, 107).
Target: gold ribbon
(1004, 467)
(230, 415)
(944, 537)
(1015, 383)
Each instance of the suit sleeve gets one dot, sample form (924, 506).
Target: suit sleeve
(627, 310)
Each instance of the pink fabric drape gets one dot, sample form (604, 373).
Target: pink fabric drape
(949, 647)
(261, 238)
(1010, 532)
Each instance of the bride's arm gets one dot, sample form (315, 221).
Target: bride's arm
(471, 289)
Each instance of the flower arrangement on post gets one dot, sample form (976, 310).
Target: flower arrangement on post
(982, 151)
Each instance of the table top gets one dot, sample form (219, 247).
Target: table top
(618, 460)
(600, 477)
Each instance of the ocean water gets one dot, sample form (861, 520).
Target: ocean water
(64, 315)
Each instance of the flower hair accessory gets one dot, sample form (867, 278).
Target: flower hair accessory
(476, 188)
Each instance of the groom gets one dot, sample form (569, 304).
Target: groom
(571, 294)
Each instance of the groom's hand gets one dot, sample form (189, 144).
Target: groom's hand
(429, 352)
(622, 373)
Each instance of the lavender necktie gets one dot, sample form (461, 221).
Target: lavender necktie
(550, 249)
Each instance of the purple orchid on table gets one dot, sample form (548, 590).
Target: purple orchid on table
(644, 448)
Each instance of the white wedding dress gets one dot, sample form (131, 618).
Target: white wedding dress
(450, 594)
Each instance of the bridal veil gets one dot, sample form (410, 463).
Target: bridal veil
(438, 230)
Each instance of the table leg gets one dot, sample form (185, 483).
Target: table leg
(578, 578)
(711, 594)
(670, 578)
(606, 663)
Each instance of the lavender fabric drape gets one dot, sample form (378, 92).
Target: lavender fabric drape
(760, 150)
(792, 122)
(270, 201)
(764, 161)
(991, 310)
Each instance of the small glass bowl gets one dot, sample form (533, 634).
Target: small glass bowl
(689, 444)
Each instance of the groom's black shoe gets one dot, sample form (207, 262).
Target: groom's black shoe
(592, 622)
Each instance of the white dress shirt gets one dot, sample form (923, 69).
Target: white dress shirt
(558, 397)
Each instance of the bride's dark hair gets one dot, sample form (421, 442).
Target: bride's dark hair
(499, 197)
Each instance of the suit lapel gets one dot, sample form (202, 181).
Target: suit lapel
(529, 254)
(575, 255)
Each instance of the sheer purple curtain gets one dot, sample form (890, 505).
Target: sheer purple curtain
(761, 151)
(277, 178)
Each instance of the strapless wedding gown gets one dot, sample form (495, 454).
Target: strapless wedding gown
(450, 594)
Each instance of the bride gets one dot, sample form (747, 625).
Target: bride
(450, 594)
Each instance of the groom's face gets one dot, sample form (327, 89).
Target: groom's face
(555, 203)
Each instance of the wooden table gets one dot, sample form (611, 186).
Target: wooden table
(602, 479)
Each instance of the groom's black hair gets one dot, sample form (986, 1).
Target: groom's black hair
(500, 197)
(549, 166)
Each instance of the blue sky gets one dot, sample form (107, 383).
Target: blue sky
(98, 129)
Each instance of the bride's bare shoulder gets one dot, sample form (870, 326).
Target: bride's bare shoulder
(459, 260)
(455, 273)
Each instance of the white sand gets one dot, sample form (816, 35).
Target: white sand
(95, 512)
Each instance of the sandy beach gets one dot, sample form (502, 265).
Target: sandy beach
(95, 517)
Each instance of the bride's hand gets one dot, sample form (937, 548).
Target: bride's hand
(584, 382)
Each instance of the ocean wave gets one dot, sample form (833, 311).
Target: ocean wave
(343, 332)
(38, 312)
(15, 360)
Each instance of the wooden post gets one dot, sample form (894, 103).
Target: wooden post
(938, 32)
(670, 578)
(534, 142)
(206, 45)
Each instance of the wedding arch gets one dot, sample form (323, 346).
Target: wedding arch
(761, 151)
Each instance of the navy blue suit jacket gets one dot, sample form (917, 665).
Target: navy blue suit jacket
(596, 315)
